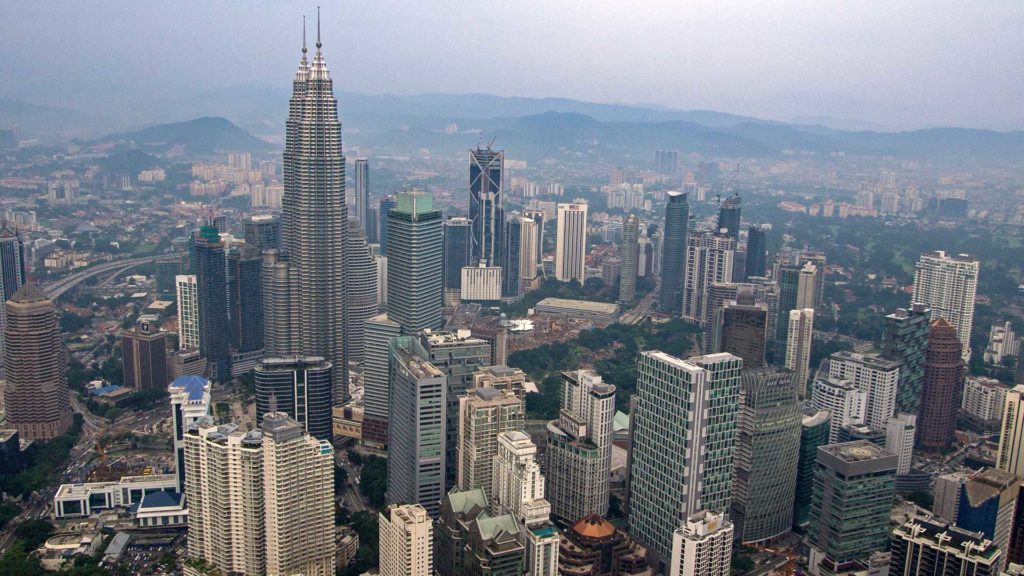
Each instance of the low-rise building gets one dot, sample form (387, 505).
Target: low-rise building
(578, 309)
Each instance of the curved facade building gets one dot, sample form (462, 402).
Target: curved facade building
(361, 291)
(942, 388)
(299, 386)
(673, 252)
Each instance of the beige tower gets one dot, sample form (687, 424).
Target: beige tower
(406, 541)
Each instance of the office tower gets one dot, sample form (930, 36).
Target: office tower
(457, 241)
(741, 329)
(708, 260)
(361, 291)
(224, 487)
(528, 260)
(311, 293)
(484, 413)
(495, 333)
(579, 447)
(415, 295)
(904, 340)
(729, 217)
(188, 312)
(798, 345)
(279, 324)
(757, 252)
(853, 491)
(539, 218)
(594, 545)
(299, 386)
(947, 284)
(262, 232)
(459, 355)
(796, 292)
(814, 432)
(875, 376)
(511, 257)
(673, 252)
(899, 440)
(298, 491)
(211, 288)
(384, 208)
(362, 191)
(924, 546)
(166, 271)
(666, 162)
(675, 416)
(985, 502)
(1018, 366)
(245, 298)
(486, 194)
(702, 546)
(377, 378)
(941, 389)
(1010, 456)
(767, 449)
(416, 429)
(35, 364)
(844, 401)
(406, 536)
(629, 254)
(459, 511)
(13, 264)
(190, 402)
(571, 243)
(144, 356)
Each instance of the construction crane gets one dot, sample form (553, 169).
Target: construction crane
(728, 185)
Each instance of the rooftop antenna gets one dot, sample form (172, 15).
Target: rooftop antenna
(303, 33)
(318, 44)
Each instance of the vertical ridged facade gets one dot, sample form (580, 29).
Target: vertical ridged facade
(673, 252)
(486, 179)
(415, 293)
(361, 291)
(942, 389)
(314, 222)
(629, 254)
(36, 393)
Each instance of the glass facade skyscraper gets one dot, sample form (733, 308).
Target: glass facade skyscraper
(486, 212)
(212, 293)
(673, 253)
(414, 264)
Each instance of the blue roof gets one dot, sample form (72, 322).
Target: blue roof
(160, 499)
(103, 390)
(191, 384)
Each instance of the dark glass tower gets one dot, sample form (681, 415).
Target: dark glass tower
(511, 257)
(362, 192)
(757, 252)
(13, 272)
(456, 252)
(904, 340)
(315, 220)
(262, 232)
(245, 298)
(629, 254)
(729, 217)
(361, 292)
(386, 205)
(212, 293)
(486, 169)
(414, 266)
(673, 253)
(299, 386)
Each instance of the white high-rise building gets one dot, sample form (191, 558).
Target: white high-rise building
(899, 439)
(1010, 456)
(579, 447)
(984, 399)
(702, 546)
(709, 259)
(798, 345)
(875, 376)
(529, 251)
(948, 284)
(188, 311)
(406, 541)
(846, 404)
(190, 401)
(571, 243)
(1002, 342)
(484, 413)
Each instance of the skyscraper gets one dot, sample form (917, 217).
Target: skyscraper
(361, 291)
(702, 546)
(741, 328)
(729, 217)
(262, 232)
(673, 252)
(362, 191)
(796, 291)
(385, 206)
(188, 312)
(245, 298)
(904, 340)
(925, 546)
(299, 386)
(144, 356)
(511, 257)
(854, 487)
(682, 408)
(709, 260)
(415, 294)
(377, 378)
(942, 387)
(314, 223)
(1010, 456)
(845, 403)
(457, 243)
(629, 254)
(666, 162)
(757, 252)
(35, 363)
(947, 284)
(571, 243)
(875, 376)
(814, 432)
(211, 288)
(486, 195)
(899, 439)
(13, 273)
(767, 450)
(406, 536)
(528, 260)
(579, 447)
(416, 431)
(483, 414)
(798, 345)
(190, 401)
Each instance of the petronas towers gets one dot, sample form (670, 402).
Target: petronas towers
(304, 305)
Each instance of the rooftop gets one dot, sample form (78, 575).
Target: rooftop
(857, 451)
(582, 305)
(594, 526)
(193, 386)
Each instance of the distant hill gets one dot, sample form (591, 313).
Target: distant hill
(50, 123)
(202, 136)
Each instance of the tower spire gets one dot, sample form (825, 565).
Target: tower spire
(303, 35)
(318, 44)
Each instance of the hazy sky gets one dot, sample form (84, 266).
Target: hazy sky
(900, 63)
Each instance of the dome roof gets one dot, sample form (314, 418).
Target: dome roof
(594, 526)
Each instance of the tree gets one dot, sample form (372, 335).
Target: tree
(373, 481)
(32, 533)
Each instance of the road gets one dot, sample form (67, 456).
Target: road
(58, 288)
(637, 314)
